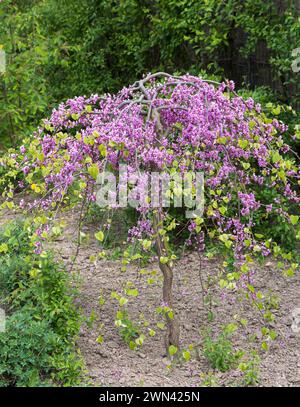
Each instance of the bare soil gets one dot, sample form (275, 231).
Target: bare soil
(112, 363)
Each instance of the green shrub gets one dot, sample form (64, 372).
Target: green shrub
(220, 351)
(25, 349)
(58, 49)
(38, 347)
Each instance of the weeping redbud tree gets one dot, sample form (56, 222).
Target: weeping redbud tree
(169, 125)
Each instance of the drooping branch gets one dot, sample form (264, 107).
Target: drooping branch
(173, 124)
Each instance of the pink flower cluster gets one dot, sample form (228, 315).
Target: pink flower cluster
(162, 123)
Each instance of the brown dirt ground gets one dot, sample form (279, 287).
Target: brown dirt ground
(112, 363)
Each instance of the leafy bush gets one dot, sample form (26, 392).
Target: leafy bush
(38, 347)
(220, 351)
(25, 349)
(80, 47)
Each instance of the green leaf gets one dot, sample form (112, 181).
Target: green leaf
(3, 248)
(56, 230)
(223, 210)
(171, 314)
(230, 328)
(294, 219)
(172, 350)
(102, 150)
(132, 345)
(99, 236)
(223, 283)
(133, 292)
(243, 144)
(146, 244)
(246, 166)
(244, 268)
(276, 157)
(99, 339)
(276, 110)
(228, 244)
(123, 301)
(222, 140)
(93, 170)
(163, 260)
(186, 355)
(140, 340)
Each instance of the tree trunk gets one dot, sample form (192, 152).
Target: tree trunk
(162, 251)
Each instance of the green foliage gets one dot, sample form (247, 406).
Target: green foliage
(56, 50)
(112, 43)
(279, 110)
(23, 85)
(250, 369)
(25, 349)
(38, 347)
(209, 380)
(220, 351)
(128, 330)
